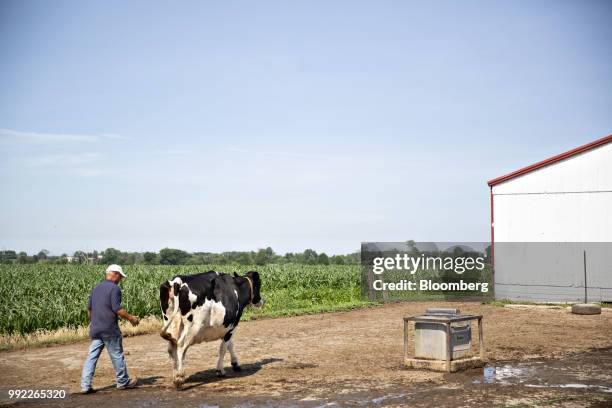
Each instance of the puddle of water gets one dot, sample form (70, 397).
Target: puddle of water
(268, 404)
(601, 388)
(537, 374)
(506, 374)
(386, 398)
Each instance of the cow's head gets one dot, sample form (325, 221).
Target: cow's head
(254, 277)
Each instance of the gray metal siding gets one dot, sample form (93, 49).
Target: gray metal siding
(552, 272)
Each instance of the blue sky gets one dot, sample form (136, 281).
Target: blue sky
(217, 126)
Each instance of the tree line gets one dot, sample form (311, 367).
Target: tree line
(172, 256)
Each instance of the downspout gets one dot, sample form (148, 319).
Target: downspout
(492, 237)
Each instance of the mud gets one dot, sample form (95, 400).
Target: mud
(536, 356)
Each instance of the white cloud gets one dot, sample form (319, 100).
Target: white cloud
(174, 152)
(39, 137)
(89, 172)
(112, 136)
(280, 154)
(237, 150)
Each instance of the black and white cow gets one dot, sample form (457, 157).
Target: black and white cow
(205, 307)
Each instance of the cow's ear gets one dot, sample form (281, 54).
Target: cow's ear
(236, 275)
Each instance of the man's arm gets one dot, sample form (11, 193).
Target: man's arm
(117, 308)
(89, 309)
(125, 315)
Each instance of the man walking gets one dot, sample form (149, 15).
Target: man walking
(103, 309)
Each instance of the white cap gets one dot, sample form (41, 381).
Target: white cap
(115, 268)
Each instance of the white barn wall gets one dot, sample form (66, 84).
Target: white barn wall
(585, 172)
(571, 217)
(568, 201)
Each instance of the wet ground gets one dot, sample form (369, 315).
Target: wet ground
(348, 359)
(590, 371)
(580, 380)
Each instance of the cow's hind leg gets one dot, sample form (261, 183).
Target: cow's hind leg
(172, 352)
(229, 343)
(179, 373)
(234, 357)
(220, 369)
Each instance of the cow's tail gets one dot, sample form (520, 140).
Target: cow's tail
(165, 295)
(164, 298)
(164, 331)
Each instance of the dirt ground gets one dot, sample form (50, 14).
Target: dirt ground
(537, 356)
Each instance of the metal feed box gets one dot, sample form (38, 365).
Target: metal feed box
(430, 341)
(442, 341)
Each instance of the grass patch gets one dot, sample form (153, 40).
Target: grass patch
(153, 324)
(504, 302)
(66, 335)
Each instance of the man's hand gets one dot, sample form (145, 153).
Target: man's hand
(134, 321)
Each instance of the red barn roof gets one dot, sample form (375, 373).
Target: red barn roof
(551, 160)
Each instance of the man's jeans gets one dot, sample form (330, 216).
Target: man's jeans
(114, 346)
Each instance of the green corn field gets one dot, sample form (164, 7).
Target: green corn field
(40, 296)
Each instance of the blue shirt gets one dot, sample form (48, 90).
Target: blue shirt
(104, 303)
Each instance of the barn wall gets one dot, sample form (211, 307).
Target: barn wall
(588, 171)
(571, 217)
(566, 202)
(553, 272)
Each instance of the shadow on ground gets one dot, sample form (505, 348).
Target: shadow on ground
(210, 376)
(141, 381)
